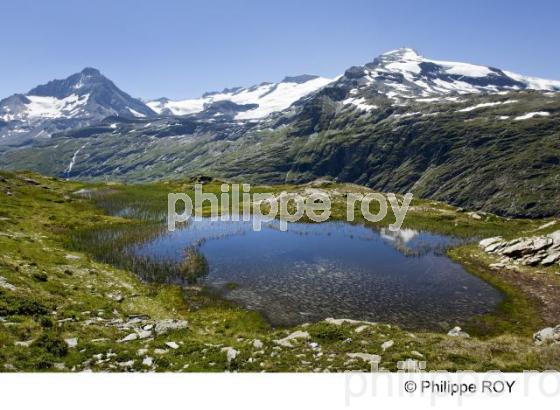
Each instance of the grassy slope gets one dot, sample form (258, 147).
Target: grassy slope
(65, 294)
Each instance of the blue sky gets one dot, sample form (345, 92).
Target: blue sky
(181, 49)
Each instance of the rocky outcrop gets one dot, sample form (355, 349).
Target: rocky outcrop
(457, 332)
(546, 335)
(286, 341)
(531, 251)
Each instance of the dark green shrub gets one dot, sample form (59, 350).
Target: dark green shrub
(326, 332)
(17, 305)
(40, 276)
(52, 343)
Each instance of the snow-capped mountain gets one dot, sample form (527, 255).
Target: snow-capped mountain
(81, 99)
(401, 123)
(85, 94)
(403, 74)
(254, 102)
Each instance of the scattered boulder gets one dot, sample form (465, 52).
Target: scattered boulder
(165, 325)
(551, 258)
(286, 341)
(366, 357)
(386, 345)
(172, 345)
(148, 361)
(457, 332)
(231, 353)
(339, 322)
(490, 241)
(5, 284)
(30, 181)
(257, 344)
(116, 296)
(144, 334)
(548, 334)
(72, 342)
(129, 338)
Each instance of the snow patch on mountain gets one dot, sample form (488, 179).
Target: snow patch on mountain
(532, 115)
(484, 105)
(359, 103)
(48, 107)
(535, 83)
(270, 97)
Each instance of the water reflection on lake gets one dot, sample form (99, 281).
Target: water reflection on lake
(334, 269)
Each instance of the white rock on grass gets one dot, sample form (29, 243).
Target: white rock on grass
(231, 353)
(72, 342)
(5, 284)
(339, 322)
(457, 332)
(257, 344)
(166, 325)
(551, 258)
(286, 341)
(129, 338)
(172, 345)
(148, 361)
(548, 334)
(366, 357)
(546, 225)
(144, 334)
(386, 345)
(490, 241)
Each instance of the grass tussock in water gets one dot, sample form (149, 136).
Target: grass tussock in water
(194, 265)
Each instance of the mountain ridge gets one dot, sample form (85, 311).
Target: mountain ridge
(400, 123)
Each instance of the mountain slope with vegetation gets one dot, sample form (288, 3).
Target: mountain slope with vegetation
(474, 136)
(488, 158)
(63, 310)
